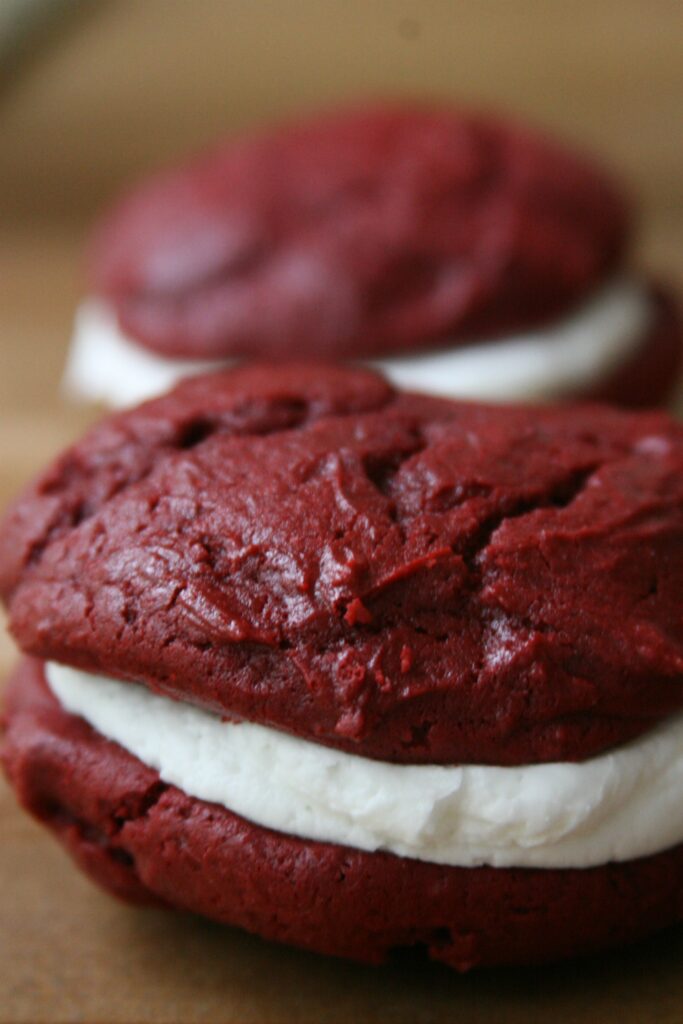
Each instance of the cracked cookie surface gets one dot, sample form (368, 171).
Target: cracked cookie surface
(407, 578)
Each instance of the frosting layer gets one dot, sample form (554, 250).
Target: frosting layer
(559, 360)
(618, 806)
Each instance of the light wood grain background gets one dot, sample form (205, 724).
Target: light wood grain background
(117, 88)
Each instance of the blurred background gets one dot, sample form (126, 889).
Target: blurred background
(94, 93)
(104, 91)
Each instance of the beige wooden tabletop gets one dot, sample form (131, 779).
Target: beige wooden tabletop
(116, 88)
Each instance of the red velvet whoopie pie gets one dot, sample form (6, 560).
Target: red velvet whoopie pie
(354, 668)
(464, 254)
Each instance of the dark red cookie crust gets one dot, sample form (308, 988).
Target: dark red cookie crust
(406, 578)
(356, 235)
(150, 843)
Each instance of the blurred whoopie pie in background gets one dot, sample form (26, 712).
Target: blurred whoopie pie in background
(354, 668)
(464, 255)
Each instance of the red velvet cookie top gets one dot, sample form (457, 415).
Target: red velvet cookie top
(361, 234)
(409, 578)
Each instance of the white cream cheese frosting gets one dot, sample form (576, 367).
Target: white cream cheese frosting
(561, 359)
(104, 366)
(618, 806)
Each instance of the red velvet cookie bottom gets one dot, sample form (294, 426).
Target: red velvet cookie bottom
(150, 843)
